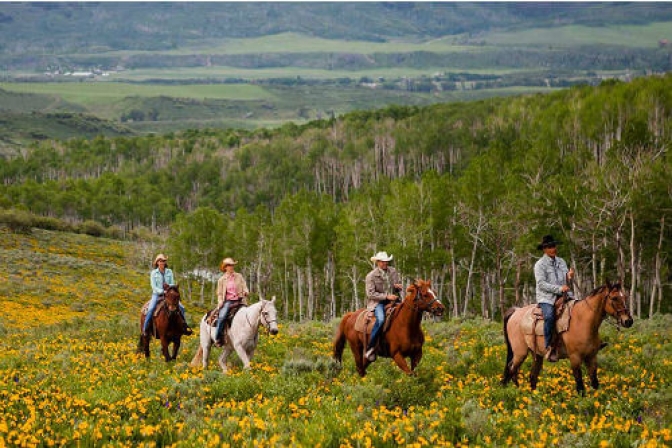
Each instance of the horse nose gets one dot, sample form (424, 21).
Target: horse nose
(628, 322)
(274, 330)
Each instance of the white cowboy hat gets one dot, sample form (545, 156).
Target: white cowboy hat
(159, 257)
(381, 256)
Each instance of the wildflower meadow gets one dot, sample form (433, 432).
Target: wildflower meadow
(70, 375)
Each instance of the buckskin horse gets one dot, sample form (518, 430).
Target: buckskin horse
(579, 343)
(167, 324)
(403, 339)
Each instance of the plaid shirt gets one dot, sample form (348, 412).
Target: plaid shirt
(551, 275)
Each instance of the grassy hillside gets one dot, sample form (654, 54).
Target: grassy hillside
(69, 374)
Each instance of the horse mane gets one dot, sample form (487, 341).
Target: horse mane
(608, 285)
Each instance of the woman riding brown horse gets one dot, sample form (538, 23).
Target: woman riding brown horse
(580, 343)
(403, 339)
(168, 325)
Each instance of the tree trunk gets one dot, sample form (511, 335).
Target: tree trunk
(657, 290)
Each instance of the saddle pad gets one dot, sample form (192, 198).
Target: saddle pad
(367, 318)
(532, 321)
(213, 315)
(159, 306)
(365, 321)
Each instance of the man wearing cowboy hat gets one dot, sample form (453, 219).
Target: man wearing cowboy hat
(552, 277)
(231, 289)
(381, 284)
(160, 277)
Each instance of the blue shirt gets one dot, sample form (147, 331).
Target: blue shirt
(551, 275)
(157, 280)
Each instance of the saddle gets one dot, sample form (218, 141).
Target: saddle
(212, 316)
(367, 318)
(532, 322)
(160, 304)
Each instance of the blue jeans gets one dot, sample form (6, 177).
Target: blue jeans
(152, 308)
(222, 317)
(548, 311)
(379, 312)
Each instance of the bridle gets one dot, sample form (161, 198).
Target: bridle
(426, 302)
(263, 318)
(613, 298)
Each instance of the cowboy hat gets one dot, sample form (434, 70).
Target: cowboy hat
(226, 262)
(547, 241)
(159, 257)
(381, 256)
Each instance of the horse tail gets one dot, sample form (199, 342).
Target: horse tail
(339, 339)
(198, 358)
(509, 349)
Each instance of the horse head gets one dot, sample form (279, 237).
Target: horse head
(172, 297)
(617, 305)
(269, 315)
(424, 297)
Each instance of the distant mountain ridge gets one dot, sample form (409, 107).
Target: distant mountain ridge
(92, 27)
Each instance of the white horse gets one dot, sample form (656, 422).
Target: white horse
(242, 336)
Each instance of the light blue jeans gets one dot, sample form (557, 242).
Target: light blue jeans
(152, 308)
(548, 311)
(222, 317)
(379, 312)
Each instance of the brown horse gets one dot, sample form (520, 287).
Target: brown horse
(403, 339)
(167, 325)
(580, 343)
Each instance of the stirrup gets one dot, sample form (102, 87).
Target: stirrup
(551, 354)
(371, 354)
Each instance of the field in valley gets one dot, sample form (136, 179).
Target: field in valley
(69, 374)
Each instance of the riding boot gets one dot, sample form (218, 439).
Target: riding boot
(370, 353)
(552, 350)
(186, 329)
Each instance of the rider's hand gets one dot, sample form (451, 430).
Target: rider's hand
(391, 297)
(564, 288)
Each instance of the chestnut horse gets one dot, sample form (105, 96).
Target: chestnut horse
(168, 325)
(580, 343)
(403, 339)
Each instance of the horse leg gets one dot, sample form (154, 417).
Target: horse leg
(591, 366)
(176, 348)
(242, 354)
(415, 359)
(575, 362)
(537, 364)
(226, 351)
(164, 348)
(358, 353)
(401, 362)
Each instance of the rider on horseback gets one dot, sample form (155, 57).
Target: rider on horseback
(231, 289)
(160, 276)
(381, 284)
(552, 277)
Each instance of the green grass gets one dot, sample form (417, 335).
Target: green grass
(570, 36)
(103, 93)
(69, 375)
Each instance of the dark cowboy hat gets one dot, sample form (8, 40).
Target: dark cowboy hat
(546, 241)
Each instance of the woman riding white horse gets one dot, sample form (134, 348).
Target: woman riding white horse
(241, 337)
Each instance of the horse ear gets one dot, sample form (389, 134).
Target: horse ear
(273, 299)
(609, 285)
